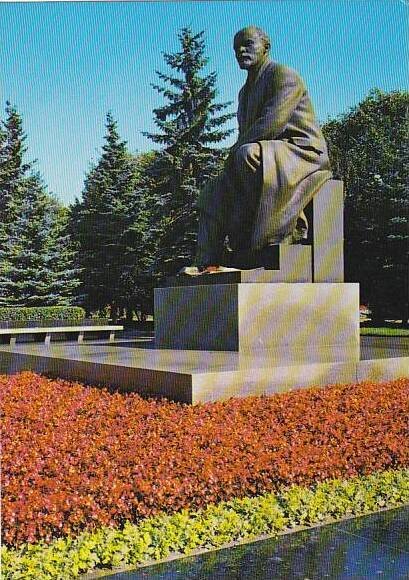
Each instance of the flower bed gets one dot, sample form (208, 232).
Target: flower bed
(78, 458)
(237, 520)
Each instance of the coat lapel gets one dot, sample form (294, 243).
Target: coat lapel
(256, 93)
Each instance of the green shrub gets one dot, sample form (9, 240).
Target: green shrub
(239, 519)
(40, 313)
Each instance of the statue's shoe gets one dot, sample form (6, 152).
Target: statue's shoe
(202, 270)
(189, 271)
(219, 270)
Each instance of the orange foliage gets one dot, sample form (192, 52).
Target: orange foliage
(77, 458)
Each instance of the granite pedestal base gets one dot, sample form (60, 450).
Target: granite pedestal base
(191, 376)
(298, 322)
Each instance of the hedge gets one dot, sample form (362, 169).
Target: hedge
(40, 313)
(76, 458)
(158, 537)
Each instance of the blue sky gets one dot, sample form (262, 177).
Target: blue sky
(64, 65)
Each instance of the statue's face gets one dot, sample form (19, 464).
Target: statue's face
(250, 49)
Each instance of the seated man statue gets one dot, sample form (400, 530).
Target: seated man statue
(278, 163)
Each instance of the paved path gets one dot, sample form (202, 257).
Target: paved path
(384, 346)
(364, 548)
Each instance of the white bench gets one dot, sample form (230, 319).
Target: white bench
(48, 331)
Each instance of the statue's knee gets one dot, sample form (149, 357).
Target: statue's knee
(248, 155)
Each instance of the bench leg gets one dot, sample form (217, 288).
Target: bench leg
(80, 337)
(112, 336)
(47, 339)
(13, 340)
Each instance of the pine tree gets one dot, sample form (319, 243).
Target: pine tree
(61, 259)
(142, 234)
(109, 226)
(36, 261)
(13, 170)
(35, 254)
(190, 125)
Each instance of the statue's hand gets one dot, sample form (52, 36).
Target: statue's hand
(230, 158)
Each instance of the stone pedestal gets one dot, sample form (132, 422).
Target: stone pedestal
(290, 321)
(297, 312)
(253, 332)
(289, 264)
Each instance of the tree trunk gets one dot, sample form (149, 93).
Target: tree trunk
(129, 314)
(114, 312)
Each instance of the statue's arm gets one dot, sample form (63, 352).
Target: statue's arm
(286, 92)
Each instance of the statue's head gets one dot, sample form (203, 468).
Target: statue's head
(251, 45)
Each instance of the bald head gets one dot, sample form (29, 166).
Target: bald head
(251, 45)
(254, 30)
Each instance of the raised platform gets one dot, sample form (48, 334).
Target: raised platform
(287, 321)
(198, 376)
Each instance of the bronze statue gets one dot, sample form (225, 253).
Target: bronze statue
(274, 169)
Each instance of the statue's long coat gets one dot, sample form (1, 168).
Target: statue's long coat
(276, 112)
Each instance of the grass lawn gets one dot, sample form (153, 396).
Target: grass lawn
(383, 331)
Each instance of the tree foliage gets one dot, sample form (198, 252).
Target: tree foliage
(190, 124)
(36, 256)
(369, 152)
(13, 170)
(110, 225)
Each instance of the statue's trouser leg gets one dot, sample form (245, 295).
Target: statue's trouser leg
(212, 231)
(228, 206)
(246, 178)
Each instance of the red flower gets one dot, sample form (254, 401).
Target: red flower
(77, 458)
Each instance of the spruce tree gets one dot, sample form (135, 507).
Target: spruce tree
(142, 236)
(61, 258)
(13, 169)
(190, 125)
(35, 256)
(109, 226)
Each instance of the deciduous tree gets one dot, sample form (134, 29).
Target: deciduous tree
(369, 149)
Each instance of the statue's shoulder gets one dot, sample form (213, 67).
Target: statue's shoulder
(281, 74)
(282, 70)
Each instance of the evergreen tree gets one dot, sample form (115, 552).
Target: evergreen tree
(36, 262)
(190, 125)
(109, 226)
(13, 170)
(369, 149)
(61, 258)
(143, 235)
(35, 255)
